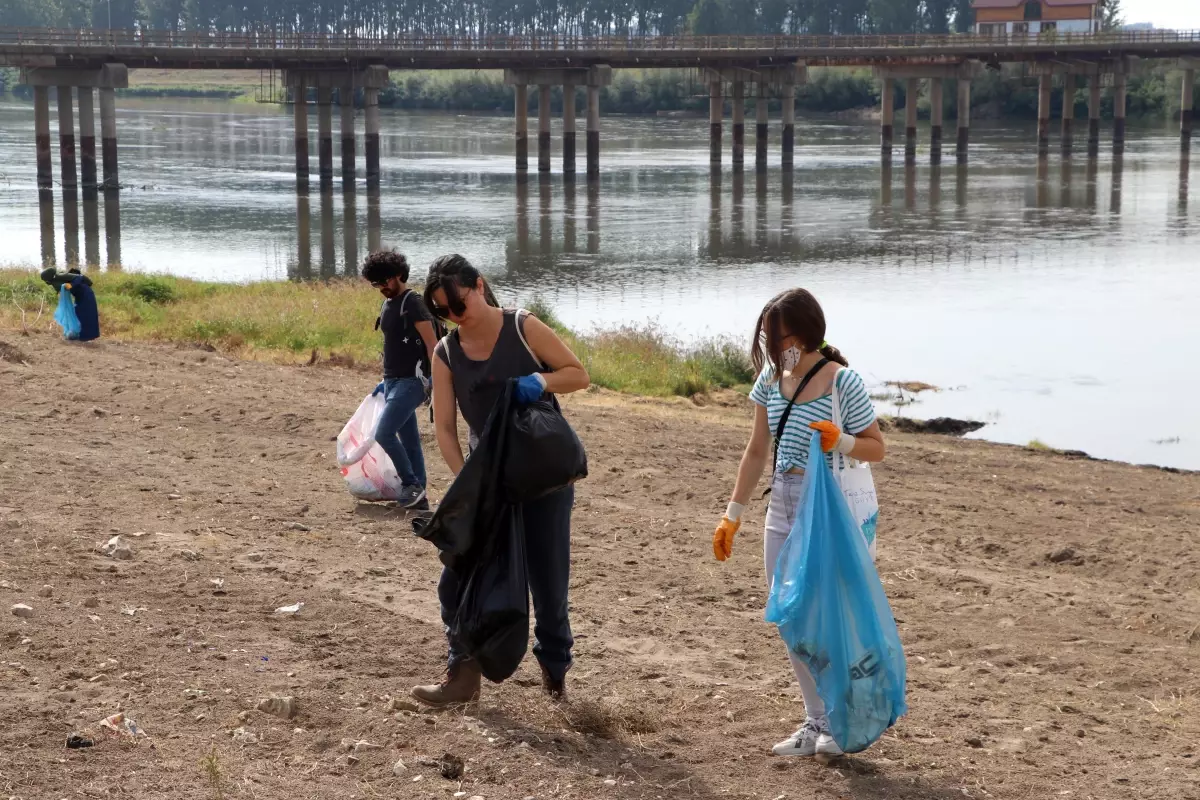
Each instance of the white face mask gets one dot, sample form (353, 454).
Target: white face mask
(790, 358)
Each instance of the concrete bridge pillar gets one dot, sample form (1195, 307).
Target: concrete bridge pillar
(788, 102)
(1068, 114)
(964, 120)
(1120, 90)
(325, 136)
(716, 112)
(1093, 140)
(87, 138)
(521, 109)
(41, 124)
(1043, 123)
(108, 141)
(66, 139)
(346, 102)
(300, 117)
(593, 143)
(739, 124)
(760, 128)
(568, 152)
(887, 117)
(936, 113)
(910, 121)
(371, 101)
(1186, 108)
(544, 128)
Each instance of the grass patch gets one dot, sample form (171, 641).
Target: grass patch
(333, 322)
(1038, 444)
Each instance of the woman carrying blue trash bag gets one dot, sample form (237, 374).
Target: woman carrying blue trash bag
(793, 396)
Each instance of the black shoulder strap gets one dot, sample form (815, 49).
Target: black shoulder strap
(787, 412)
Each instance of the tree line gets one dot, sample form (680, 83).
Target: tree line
(482, 17)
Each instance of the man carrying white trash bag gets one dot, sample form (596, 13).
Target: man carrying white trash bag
(379, 450)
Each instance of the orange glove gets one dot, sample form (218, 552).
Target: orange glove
(723, 538)
(832, 437)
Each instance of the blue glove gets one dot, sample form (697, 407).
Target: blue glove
(529, 389)
(380, 389)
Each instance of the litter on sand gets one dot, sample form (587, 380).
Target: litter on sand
(292, 609)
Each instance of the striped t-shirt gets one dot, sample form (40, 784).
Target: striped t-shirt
(856, 411)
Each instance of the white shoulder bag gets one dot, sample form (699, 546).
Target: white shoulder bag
(854, 479)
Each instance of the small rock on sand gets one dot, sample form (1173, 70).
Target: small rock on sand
(46, 591)
(92, 602)
(398, 768)
(22, 610)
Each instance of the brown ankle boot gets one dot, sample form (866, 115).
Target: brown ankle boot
(460, 686)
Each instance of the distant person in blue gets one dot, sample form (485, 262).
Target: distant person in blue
(408, 342)
(793, 396)
(80, 287)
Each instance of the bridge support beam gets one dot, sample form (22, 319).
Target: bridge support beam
(544, 128)
(910, 120)
(761, 128)
(41, 125)
(1068, 115)
(1093, 140)
(300, 118)
(739, 125)
(936, 114)
(325, 136)
(1187, 107)
(887, 118)
(346, 103)
(87, 138)
(371, 143)
(593, 78)
(568, 147)
(788, 101)
(521, 129)
(1120, 90)
(108, 141)
(716, 113)
(66, 139)
(963, 113)
(593, 139)
(1043, 122)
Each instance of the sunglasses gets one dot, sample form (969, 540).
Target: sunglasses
(456, 308)
(379, 284)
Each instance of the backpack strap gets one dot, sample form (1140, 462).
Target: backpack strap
(787, 412)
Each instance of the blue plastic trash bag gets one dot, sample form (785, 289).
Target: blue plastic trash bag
(832, 612)
(65, 314)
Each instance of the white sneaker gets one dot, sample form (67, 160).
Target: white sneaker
(826, 746)
(801, 743)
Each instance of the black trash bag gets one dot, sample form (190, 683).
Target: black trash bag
(492, 624)
(474, 501)
(542, 453)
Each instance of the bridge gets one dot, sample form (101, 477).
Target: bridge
(80, 62)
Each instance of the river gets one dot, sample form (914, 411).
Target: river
(1055, 301)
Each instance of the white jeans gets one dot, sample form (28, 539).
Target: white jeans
(786, 495)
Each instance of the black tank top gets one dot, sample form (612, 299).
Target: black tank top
(479, 384)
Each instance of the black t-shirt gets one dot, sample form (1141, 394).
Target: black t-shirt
(404, 353)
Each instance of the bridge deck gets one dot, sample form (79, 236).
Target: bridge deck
(264, 50)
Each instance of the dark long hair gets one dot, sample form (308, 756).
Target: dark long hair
(795, 312)
(453, 274)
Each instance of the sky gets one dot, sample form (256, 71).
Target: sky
(1178, 14)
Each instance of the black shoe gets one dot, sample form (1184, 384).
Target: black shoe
(422, 504)
(556, 688)
(410, 496)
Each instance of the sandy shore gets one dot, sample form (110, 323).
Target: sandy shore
(1031, 676)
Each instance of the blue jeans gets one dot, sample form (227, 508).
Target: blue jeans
(397, 432)
(548, 563)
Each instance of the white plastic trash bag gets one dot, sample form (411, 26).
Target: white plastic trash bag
(367, 469)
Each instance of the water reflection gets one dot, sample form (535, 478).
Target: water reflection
(91, 228)
(374, 220)
(328, 254)
(350, 232)
(71, 228)
(112, 228)
(303, 269)
(46, 219)
(1118, 170)
(1182, 205)
(593, 217)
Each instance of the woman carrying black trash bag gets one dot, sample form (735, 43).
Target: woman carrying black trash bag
(793, 396)
(489, 347)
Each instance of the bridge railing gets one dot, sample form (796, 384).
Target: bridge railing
(269, 40)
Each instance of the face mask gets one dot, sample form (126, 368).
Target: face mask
(790, 358)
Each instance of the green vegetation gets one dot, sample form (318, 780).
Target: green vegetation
(334, 321)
